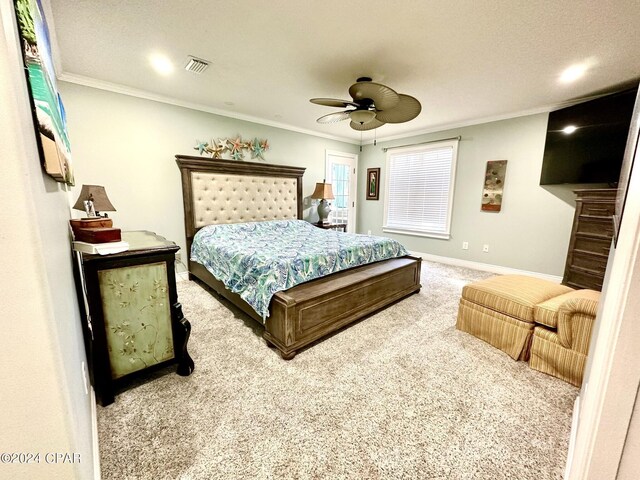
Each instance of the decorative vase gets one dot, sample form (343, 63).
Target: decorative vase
(323, 211)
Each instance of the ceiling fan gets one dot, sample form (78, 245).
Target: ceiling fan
(373, 105)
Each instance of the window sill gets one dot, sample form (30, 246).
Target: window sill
(441, 236)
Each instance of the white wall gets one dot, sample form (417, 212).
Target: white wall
(630, 462)
(606, 442)
(129, 145)
(530, 233)
(44, 405)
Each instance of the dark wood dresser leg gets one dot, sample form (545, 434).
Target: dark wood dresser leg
(185, 362)
(288, 356)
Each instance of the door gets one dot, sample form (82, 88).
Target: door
(341, 171)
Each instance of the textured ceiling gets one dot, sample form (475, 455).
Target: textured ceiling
(466, 61)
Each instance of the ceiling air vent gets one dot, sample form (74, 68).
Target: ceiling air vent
(196, 65)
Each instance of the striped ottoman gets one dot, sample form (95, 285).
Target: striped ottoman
(500, 310)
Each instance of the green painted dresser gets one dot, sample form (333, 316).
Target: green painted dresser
(134, 323)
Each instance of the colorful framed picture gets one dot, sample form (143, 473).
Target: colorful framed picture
(48, 111)
(494, 185)
(373, 183)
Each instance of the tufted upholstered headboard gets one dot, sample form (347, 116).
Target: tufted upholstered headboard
(218, 191)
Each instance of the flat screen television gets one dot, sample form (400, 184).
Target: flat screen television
(585, 142)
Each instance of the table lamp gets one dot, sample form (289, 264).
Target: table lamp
(323, 192)
(92, 200)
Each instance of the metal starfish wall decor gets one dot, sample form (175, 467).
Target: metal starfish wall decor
(234, 146)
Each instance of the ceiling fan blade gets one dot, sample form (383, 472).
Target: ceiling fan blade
(375, 123)
(407, 109)
(334, 117)
(383, 97)
(333, 102)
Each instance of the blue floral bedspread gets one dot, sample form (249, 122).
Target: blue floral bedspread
(258, 259)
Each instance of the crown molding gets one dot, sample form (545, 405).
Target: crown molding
(465, 123)
(134, 92)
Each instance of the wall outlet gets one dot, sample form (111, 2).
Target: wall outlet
(485, 248)
(368, 232)
(465, 245)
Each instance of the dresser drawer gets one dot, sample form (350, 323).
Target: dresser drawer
(587, 261)
(602, 227)
(600, 209)
(578, 279)
(594, 245)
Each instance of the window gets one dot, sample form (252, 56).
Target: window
(419, 189)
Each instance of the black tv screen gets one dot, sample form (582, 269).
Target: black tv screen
(585, 142)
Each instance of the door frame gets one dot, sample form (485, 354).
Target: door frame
(351, 224)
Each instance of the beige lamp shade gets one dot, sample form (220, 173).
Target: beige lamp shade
(98, 195)
(323, 190)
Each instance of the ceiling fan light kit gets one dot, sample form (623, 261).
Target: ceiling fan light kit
(362, 116)
(374, 105)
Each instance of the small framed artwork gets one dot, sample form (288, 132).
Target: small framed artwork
(373, 183)
(493, 185)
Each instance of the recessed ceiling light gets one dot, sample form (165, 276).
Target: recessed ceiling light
(161, 64)
(229, 103)
(573, 73)
(569, 129)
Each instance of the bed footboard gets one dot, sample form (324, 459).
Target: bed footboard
(310, 311)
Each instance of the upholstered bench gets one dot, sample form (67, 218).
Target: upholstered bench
(562, 334)
(500, 310)
(534, 319)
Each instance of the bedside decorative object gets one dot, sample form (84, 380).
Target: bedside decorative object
(97, 235)
(323, 192)
(94, 222)
(96, 228)
(134, 322)
(373, 183)
(331, 226)
(92, 200)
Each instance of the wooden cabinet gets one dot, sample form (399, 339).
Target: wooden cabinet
(591, 238)
(134, 322)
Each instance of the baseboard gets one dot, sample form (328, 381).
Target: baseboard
(486, 267)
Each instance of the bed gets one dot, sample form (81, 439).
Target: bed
(219, 192)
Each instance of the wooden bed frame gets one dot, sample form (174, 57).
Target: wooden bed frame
(307, 312)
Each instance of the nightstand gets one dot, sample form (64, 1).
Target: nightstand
(133, 321)
(331, 226)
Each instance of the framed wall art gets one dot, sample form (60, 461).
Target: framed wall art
(493, 185)
(373, 183)
(46, 105)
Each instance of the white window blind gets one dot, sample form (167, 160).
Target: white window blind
(419, 189)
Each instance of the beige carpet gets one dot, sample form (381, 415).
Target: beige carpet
(401, 394)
